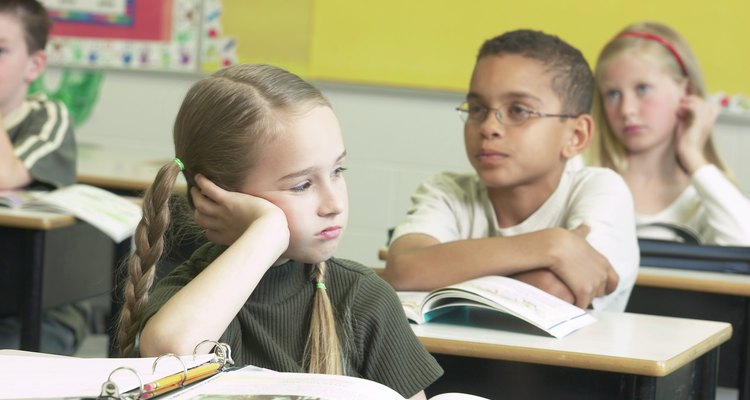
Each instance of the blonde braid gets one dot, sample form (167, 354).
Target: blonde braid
(323, 349)
(149, 245)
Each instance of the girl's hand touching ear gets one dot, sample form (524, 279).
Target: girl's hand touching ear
(695, 120)
(227, 215)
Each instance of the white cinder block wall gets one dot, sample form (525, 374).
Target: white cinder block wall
(395, 138)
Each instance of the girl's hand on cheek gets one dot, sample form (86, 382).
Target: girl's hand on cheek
(227, 215)
(695, 120)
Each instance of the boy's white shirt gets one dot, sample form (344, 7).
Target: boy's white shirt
(452, 206)
(710, 206)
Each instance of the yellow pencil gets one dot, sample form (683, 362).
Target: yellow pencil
(193, 374)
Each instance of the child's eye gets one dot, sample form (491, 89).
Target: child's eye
(642, 88)
(339, 171)
(475, 110)
(301, 187)
(516, 115)
(518, 111)
(612, 95)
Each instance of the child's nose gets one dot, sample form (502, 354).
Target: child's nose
(628, 105)
(491, 127)
(332, 202)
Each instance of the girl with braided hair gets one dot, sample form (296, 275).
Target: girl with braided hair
(263, 155)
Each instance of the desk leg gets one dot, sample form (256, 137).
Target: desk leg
(707, 375)
(638, 387)
(696, 380)
(119, 273)
(31, 303)
(743, 368)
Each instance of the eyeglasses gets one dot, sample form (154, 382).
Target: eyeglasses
(512, 115)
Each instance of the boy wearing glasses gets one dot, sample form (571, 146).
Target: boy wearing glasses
(527, 212)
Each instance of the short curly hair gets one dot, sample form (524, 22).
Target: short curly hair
(572, 79)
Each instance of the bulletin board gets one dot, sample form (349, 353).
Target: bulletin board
(152, 35)
(431, 44)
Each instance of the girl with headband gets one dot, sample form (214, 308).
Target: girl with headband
(655, 127)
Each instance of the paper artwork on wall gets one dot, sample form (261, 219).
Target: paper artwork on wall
(217, 51)
(153, 35)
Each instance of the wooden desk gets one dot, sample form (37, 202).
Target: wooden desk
(703, 295)
(124, 172)
(700, 295)
(697, 281)
(50, 260)
(621, 356)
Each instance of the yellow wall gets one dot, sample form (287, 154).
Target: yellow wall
(270, 31)
(432, 43)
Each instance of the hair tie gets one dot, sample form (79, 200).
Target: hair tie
(179, 163)
(320, 285)
(663, 42)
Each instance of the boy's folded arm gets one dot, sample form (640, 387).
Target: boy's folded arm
(611, 234)
(420, 262)
(587, 272)
(544, 279)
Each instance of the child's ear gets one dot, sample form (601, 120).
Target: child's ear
(37, 64)
(582, 127)
(684, 84)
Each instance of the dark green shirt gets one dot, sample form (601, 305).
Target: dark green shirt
(271, 329)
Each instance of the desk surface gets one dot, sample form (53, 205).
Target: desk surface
(15, 218)
(116, 169)
(618, 342)
(698, 281)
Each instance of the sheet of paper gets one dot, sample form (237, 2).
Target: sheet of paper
(48, 377)
(247, 382)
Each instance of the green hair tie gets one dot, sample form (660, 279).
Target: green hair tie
(320, 285)
(179, 163)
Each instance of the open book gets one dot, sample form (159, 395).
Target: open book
(17, 198)
(114, 215)
(502, 294)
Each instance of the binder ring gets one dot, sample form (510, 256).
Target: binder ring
(184, 368)
(110, 389)
(222, 352)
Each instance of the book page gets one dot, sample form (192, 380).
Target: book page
(114, 215)
(412, 303)
(16, 198)
(51, 377)
(249, 381)
(512, 296)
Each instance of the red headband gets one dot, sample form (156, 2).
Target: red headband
(663, 42)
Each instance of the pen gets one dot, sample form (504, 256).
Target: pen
(193, 374)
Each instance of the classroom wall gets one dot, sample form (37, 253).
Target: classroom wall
(431, 44)
(395, 138)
